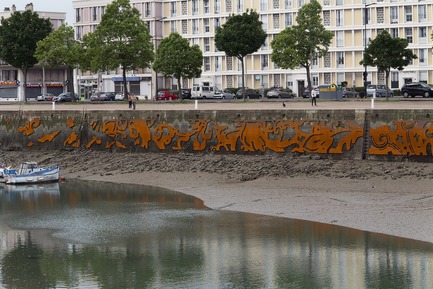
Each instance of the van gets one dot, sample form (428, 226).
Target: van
(202, 91)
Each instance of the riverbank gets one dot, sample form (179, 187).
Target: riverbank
(385, 197)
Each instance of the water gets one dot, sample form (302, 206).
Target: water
(99, 235)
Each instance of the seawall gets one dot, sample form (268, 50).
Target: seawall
(349, 133)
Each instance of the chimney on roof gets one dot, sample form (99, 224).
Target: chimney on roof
(7, 9)
(29, 6)
(14, 8)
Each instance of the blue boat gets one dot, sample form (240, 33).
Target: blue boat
(30, 172)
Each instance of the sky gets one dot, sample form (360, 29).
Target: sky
(43, 5)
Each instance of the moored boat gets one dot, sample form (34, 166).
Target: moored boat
(30, 172)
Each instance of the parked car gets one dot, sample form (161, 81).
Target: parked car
(349, 92)
(379, 89)
(315, 91)
(186, 93)
(224, 94)
(249, 93)
(119, 96)
(279, 92)
(417, 88)
(45, 97)
(65, 97)
(166, 95)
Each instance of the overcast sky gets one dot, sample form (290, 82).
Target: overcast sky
(43, 5)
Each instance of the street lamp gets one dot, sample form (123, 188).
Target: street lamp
(365, 45)
(156, 46)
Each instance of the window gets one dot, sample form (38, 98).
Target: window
(315, 80)
(217, 6)
(206, 25)
(173, 8)
(228, 5)
(194, 5)
(408, 33)
(394, 80)
(206, 61)
(77, 15)
(148, 9)
(206, 7)
(240, 5)
(217, 23)
(422, 35)
(288, 20)
(276, 18)
(422, 13)
(195, 26)
(276, 4)
(340, 19)
(393, 15)
(263, 5)
(339, 2)
(184, 27)
(218, 63)
(94, 14)
(422, 55)
(265, 62)
(206, 44)
(408, 13)
(367, 16)
(340, 38)
(287, 4)
(393, 32)
(264, 19)
(265, 44)
(340, 58)
(229, 63)
(173, 26)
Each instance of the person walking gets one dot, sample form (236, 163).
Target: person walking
(129, 100)
(313, 97)
(133, 100)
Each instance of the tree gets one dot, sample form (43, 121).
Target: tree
(300, 44)
(60, 49)
(239, 36)
(122, 39)
(176, 58)
(19, 35)
(385, 52)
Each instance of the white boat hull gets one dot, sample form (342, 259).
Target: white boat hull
(51, 174)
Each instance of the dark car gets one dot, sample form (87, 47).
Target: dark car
(186, 93)
(249, 93)
(279, 92)
(417, 88)
(65, 97)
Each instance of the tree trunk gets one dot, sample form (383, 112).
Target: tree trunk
(243, 79)
(386, 82)
(25, 71)
(307, 67)
(125, 87)
(70, 82)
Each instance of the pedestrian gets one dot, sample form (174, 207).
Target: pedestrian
(313, 97)
(133, 100)
(130, 99)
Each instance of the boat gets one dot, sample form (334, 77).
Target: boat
(31, 172)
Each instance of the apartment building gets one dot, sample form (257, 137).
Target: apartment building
(352, 21)
(39, 79)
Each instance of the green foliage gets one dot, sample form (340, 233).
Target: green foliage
(299, 44)
(176, 58)
(122, 39)
(241, 35)
(60, 49)
(386, 52)
(19, 35)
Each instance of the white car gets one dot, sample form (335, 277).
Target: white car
(119, 96)
(224, 94)
(45, 97)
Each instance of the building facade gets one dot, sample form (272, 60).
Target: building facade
(353, 22)
(39, 79)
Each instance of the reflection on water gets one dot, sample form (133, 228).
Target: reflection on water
(97, 235)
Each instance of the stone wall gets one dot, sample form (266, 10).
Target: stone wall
(352, 134)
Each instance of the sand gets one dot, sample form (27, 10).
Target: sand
(393, 198)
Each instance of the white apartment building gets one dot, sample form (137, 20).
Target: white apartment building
(39, 79)
(197, 20)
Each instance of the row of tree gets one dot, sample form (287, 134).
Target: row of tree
(122, 39)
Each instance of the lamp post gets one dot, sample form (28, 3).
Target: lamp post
(155, 37)
(365, 45)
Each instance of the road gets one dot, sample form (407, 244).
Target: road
(289, 104)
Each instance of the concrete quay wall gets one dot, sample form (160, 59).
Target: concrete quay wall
(349, 133)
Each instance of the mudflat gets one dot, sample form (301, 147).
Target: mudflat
(393, 198)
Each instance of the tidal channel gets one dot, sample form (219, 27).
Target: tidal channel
(81, 234)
